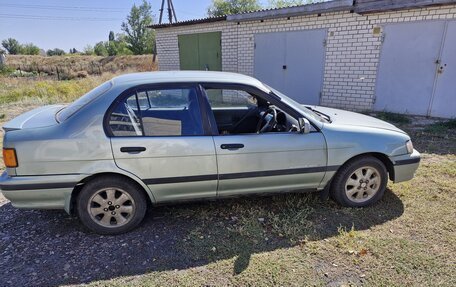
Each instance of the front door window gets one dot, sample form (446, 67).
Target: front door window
(237, 111)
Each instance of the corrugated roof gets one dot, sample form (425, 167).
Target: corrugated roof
(307, 9)
(372, 6)
(189, 22)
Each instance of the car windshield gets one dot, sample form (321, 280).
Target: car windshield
(69, 110)
(308, 111)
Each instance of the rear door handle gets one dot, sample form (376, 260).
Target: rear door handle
(133, 149)
(232, 146)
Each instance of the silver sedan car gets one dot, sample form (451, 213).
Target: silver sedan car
(165, 137)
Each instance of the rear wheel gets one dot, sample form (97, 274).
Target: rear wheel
(360, 182)
(111, 205)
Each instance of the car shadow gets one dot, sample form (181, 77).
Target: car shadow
(51, 248)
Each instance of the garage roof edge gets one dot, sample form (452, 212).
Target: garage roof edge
(370, 6)
(316, 8)
(189, 22)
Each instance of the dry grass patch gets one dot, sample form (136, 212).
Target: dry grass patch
(73, 66)
(14, 90)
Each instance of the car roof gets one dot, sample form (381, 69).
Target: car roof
(188, 76)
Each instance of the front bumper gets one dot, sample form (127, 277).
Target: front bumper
(39, 192)
(405, 166)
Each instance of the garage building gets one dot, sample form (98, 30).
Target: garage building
(383, 55)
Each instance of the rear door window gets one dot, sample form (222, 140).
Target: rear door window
(158, 112)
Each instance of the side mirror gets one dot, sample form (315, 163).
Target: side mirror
(304, 125)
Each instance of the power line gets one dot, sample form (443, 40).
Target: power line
(65, 8)
(37, 17)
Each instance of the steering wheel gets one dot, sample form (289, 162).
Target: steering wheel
(270, 122)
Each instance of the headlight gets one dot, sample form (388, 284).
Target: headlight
(409, 146)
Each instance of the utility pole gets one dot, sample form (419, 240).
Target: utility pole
(170, 9)
(171, 15)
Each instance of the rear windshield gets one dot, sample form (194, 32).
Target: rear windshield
(69, 110)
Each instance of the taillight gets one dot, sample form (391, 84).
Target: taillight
(9, 157)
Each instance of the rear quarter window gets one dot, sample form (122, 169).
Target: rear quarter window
(71, 109)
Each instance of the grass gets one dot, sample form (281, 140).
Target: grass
(46, 91)
(77, 66)
(407, 239)
(393, 117)
(442, 127)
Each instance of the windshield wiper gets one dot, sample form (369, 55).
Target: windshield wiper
(323, 115)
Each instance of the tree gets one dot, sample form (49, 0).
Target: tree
(111, 47)
(30, 49)
(226, 7)
(111, 36)
(55, 52)
(290, 3)
(284, 3)
(100, 49)
(88, 50)
(12, 46)
(140, 38)
(122, 45)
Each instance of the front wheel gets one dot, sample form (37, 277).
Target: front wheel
(111, 205)
(360, 182)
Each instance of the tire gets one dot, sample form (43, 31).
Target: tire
(111, 205)
(360, 182)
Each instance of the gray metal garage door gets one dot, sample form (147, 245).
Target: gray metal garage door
(444, 101)
(409, 80)
(292, 62)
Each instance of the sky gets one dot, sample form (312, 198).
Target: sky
(70, 24)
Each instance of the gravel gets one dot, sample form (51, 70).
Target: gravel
(50, 248)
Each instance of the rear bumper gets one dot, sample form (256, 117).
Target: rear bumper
(39, 192)
(405, 166)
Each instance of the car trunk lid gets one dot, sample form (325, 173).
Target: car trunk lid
(36, 118)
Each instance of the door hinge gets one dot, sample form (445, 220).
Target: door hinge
(325, 42)
(254, 45)
(382, 38)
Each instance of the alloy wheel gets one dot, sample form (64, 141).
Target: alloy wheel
(363, 184)
(111, 207)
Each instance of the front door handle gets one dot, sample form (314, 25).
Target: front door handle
(133, 149)
(232, 146)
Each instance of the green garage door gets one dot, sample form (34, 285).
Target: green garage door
(200, 51)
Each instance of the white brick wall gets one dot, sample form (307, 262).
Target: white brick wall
(352, 51)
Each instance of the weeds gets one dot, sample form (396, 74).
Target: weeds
(6, 71)
(441, 127)
(393, 117)
(48, 92)
(71, 67)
